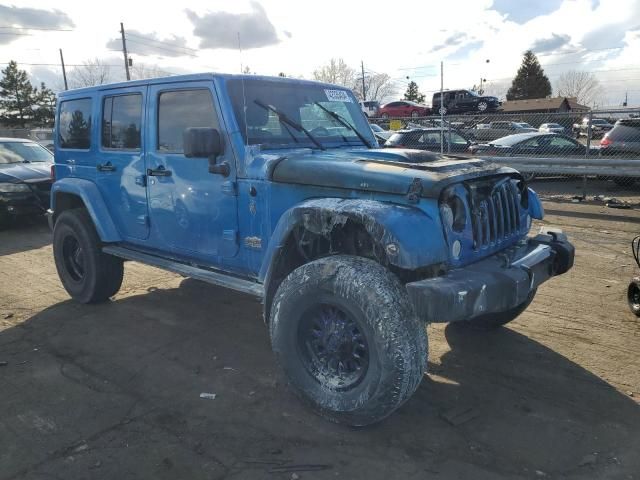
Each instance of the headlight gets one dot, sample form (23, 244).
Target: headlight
(453, 213)
(14, 187)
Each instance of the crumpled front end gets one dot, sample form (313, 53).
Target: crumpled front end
(499, 283)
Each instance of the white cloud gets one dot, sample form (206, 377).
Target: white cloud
(388, 38)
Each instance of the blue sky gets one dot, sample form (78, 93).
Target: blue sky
(404, 39)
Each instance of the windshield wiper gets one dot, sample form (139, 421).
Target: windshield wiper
(342, 121)
(287, 121)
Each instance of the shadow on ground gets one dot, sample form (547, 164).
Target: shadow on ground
(24, 234)
(112, 391)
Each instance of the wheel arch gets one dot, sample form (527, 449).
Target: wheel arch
(70, 193)
(396, 236)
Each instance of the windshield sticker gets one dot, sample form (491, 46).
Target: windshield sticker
(337, 95)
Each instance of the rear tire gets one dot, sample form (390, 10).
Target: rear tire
(346, 336)
(415, 114)
(87, 274)
(493, 321)
(633, 296)
(385, 115)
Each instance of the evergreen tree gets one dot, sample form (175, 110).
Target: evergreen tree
(46, 103)
(413, 94)
(530, 81)
(17, 96)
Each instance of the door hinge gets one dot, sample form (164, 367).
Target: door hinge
(229, 188)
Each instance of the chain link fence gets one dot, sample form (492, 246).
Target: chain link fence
(596, 151)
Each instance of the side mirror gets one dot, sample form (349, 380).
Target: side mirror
(205, 142)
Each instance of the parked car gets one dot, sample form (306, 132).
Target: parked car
(498, 129)
(533, 143)
(380, 133)
(599, 127)
(463, 101)
(622, 141)
(430, 139)
(237, 181)
(370, 108)
(25, 178)
(551, 128)
(403, 109)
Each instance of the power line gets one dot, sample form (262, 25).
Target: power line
(41, 29)
(161, 48)
(161, 41)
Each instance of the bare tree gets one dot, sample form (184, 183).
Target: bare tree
(91, 72)
(495, 89)
(582, 85)
(140, 71)
(378, 87)
(337, 72)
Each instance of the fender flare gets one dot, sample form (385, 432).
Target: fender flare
(409, 228)
(94, 203)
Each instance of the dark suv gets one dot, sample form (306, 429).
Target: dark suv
(463, 101)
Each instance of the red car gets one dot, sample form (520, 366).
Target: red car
(404, 108)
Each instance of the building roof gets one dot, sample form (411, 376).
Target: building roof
(543, 104)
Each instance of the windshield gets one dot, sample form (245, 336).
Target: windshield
(599, 121)
(524, 125)
(473, 93)
(23, 152)
(302, 104)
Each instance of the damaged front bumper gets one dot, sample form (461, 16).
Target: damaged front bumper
(496, 284)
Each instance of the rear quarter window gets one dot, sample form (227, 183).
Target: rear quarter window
(625, 133)
(74, 124)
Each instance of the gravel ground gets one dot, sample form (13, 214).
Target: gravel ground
(113, 391)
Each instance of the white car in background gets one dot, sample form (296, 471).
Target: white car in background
(551, 128)
(370, 108)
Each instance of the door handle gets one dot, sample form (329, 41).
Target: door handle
(158, 172)
(107, 167)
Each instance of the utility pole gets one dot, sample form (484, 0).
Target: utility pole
(364, 92)
(64, 72)
(124, 51)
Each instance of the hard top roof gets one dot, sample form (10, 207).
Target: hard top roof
(193, 78)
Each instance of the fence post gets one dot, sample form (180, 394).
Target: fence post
(586, 153)
(448, 136)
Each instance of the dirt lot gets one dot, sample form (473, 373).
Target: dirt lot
(112, 391)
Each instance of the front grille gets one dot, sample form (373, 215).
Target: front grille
(496, 215)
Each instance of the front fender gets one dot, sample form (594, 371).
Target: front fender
(94, 203)
(417, 236)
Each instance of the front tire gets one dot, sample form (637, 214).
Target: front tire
(87, 274)
(344, 331)
(482, 106)
(415, 114)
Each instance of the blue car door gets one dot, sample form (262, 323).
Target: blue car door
(120, 165)
(192, 211)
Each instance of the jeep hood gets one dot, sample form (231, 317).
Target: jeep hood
(381, 170)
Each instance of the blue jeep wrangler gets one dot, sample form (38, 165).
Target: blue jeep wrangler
(275, 187)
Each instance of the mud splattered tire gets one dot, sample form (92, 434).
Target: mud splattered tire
(497, 320)
(87, 274)
(343, 330)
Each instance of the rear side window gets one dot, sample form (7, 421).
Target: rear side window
(121, 118)
(180, 110)
(624, 133)
(74, 124)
